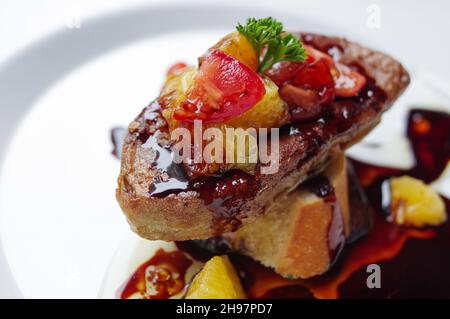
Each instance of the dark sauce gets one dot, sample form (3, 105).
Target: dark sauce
(321, 187)
(223, 194)
(430, 133)
(160, 277)
(414, 262)
(172, 177)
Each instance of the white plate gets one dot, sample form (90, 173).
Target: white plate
(60, 223)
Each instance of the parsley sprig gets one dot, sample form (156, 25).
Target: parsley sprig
(271, 42)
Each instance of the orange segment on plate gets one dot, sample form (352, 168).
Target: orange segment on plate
(217, 280)
(415, 203)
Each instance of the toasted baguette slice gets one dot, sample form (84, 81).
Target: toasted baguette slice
(294, 234)
(183, 214)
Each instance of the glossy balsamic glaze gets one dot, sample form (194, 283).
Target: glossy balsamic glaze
(224, 195)
(429, 132)
(321, 187)
(159, 278)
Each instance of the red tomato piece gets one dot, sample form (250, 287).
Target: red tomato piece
(317, 77)
(318, 55)
(349, 82)
(284, 71)
(223, 89)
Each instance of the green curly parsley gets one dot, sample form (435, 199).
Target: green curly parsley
(267, 34)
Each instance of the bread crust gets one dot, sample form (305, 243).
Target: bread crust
(184, 216)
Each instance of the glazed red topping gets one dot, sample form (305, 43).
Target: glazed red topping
(314, 55)
(224, 88)
(317, 77)
(308, 86)
(349, 82)
(283, 72)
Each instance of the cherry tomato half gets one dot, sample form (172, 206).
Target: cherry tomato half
(223, 89)
(348, 82)
(316, 77)
(319, 55)
(306, 86)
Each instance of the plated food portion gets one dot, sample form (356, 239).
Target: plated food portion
(201, 200)
(240, 160)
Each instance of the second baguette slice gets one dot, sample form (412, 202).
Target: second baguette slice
(295, 233)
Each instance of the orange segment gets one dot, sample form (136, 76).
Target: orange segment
(270, 112)
(236, 45)
(217, 280)
(415, 203)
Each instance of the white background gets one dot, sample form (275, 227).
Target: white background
(416, 32)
